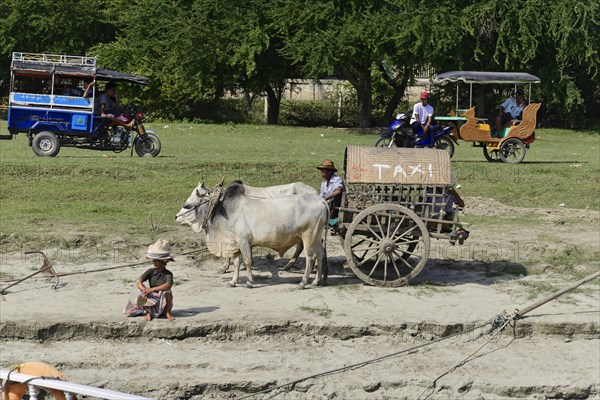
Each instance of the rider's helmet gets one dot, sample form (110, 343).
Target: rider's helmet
(424, 96)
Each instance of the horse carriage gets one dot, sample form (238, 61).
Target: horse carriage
(510, 143)
(394, 204)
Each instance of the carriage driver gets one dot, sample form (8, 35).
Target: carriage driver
(332, 187)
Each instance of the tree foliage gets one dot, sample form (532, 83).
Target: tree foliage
(196, 51)
(556, 40)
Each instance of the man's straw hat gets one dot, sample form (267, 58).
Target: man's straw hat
(161, 250)
(327, 164)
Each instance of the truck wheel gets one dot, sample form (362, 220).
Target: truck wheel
(45, 144)
(148, 147)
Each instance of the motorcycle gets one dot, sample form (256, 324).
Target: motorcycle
(395, 132)
(400, 134)
(118, 138)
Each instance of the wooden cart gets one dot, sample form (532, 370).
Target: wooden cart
(393, 205)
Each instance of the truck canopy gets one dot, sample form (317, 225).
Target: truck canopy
(45, 65)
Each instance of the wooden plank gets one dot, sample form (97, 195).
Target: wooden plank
(397, 166)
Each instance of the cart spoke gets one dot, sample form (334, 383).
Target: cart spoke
(389, 226)
(377, 253)
(407, 263)
(379, 224)
(367, 239)
(374, 234)
(410, 253)
(385, 262)
(407, 232)
(398, 226)
(395, 266)
(375, 266)
(365, 249)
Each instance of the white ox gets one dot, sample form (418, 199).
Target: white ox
(267, 192)
(240, 222)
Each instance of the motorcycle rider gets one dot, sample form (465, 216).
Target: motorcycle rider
(422, 119)
(108, 105)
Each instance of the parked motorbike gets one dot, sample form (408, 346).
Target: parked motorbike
(401, 134)
(395, 132)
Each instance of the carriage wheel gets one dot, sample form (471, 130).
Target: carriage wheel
(491, 155)
(512, 151)
(386, 245)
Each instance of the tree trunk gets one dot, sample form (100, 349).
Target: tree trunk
(273, 104)
(361, 81)
(399, 89)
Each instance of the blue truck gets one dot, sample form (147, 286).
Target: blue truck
(47, 102)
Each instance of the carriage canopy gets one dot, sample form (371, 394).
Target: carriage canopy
(483, 77)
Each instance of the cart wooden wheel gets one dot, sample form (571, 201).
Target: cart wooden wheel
(386, 245)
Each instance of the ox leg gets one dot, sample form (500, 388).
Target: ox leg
(225, 266)
(236, 271)
(246, 251)
(309, 254)
(322, 268)
(292, 261)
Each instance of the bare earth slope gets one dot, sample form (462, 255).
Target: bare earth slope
(233, 342)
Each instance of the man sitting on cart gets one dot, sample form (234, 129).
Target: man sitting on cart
(107, 104)
(332, 187)
(511, 111)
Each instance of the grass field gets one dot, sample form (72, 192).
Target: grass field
(103, 193)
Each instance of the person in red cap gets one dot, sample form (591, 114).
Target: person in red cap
(422, 118)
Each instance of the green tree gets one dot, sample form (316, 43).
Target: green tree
(556, 40)
(355, 39)
(342, 37)
(247, 49)
(52, 26)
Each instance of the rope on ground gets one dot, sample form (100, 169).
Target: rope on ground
(96, 270)
(517, 314)
(367, 362)
(125, 265)
(497, 324)
(467, 359)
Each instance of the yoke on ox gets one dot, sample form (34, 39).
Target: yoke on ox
(233, 223)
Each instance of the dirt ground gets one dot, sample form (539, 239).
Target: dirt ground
(237, 342)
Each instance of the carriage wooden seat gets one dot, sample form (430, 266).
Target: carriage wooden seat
(528, 123)
(473, 131)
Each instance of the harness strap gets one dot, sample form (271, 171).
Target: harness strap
(213, 200)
